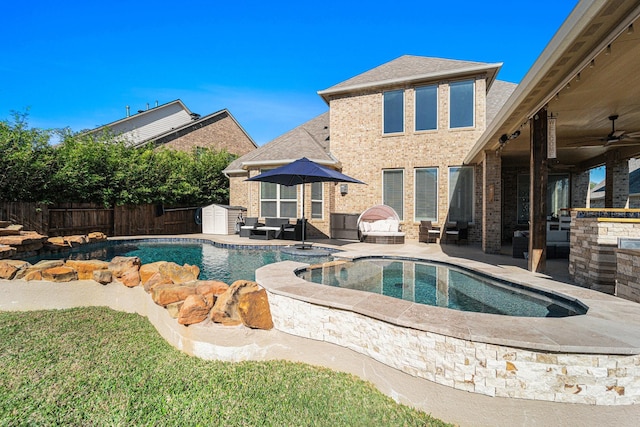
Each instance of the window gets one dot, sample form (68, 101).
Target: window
(278, 200)
(316, 200)
(461, 193)
(393, 111)
(461, 104)
(426, 108)
(393, 191)
(557, 196)
(426, 198)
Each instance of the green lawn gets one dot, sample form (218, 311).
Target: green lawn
(101, 367)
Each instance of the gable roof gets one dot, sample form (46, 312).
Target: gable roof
(192, 125)
(412, 69)
(146, 124)
(498, 94)
(310, 140)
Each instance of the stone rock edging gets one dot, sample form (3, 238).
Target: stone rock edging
(170, 285)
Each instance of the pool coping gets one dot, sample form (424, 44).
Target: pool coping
(611, 326)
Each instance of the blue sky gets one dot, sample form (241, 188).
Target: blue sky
(78, 64)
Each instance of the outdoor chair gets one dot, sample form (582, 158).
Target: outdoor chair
(292, 231)
(250, 223)
(428, 233)
(460, 231)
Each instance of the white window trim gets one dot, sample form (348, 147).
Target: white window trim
(415, 192)
(321, 201)
(402, 192)
(415, 109)
(278, 200)
(473, 193)
(404, 121)
(473, 104)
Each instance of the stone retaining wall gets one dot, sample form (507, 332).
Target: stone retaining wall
(486, 369)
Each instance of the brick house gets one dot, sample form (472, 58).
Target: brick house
(403, 128)
(173, 125)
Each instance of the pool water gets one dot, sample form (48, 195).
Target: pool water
(443, 285)
(215, 263)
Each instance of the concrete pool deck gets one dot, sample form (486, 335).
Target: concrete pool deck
(613, 328)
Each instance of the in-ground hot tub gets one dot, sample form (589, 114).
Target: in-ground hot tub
(442, 285)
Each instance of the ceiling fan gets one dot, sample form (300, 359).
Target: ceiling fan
(614, 137)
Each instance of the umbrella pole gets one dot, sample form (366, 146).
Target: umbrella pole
(304, 225)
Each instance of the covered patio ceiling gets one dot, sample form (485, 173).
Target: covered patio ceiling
(589, 71)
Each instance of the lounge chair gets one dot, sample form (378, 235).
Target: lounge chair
(380, 224)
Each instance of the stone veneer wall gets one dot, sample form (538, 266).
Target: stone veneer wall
(627, 274)
(594, 241)
(486, 369)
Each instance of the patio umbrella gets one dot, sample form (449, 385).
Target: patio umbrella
(302, 171)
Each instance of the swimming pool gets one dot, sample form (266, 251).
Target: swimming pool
(226, 264)
(442, 285)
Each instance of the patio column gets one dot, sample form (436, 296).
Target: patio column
(491, 203)
(579, 189)
(538, 193)
(616, 187)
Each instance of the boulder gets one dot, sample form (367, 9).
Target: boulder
(211, 287)
(174, 309)
(167, 294)
(102, 276)
(254, 311)
(59, 274)
(11, 230)
(7, 271)
(96, 236)
(195, 309)
(85, 268)
(155, 280)
(130, 278)
(149, 270)
(120, 265)
(225, 310)
(34, 272)
(26, 241)
(179, 274)
(57, 241)
(12, 268)
(32, 275)
(7, 251)
(4, 223)
(76, 240)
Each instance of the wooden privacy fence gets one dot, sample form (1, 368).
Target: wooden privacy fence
(82, 218)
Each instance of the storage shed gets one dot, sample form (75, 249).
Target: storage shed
(221, 219)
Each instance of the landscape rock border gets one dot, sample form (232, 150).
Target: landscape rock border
(170, 285)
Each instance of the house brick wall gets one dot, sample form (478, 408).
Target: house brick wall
(357, 140)
(491, 201)
(219, 133)
(247, 194)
